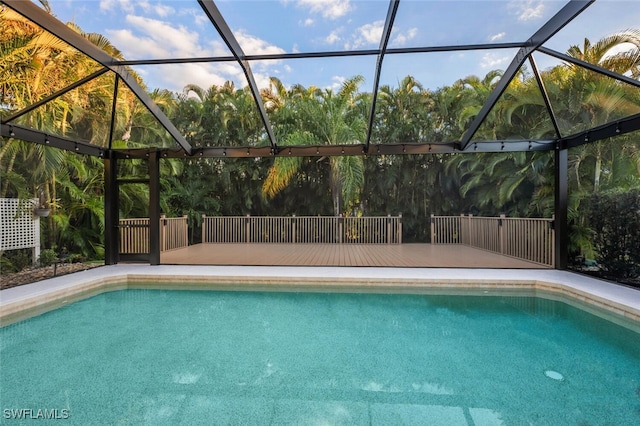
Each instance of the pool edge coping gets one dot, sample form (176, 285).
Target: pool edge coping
(26, 304)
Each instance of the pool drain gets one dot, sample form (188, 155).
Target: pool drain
(553, 375)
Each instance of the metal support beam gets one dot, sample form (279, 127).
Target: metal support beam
(48, 22)
(55, 95)
(229, 38)
(37, 136)
(386, 34)
(343, 150)
(154, 208)
(545, 96)
(327, 54)
(589, 66)
(551, 27)
(561, 205)
(614, 128)
(113, 111)
(111, 219)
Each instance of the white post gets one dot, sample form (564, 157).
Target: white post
(163, 232)
(203, 228)
(36, 234)
(248, 228)
(433, 229)
(501, 231)
(293, 229)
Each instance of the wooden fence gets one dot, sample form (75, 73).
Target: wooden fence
(302, 229)
(530, 239)
(134, 234)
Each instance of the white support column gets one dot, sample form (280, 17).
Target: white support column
(36, 236)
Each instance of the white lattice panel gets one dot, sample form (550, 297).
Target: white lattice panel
(19, 228)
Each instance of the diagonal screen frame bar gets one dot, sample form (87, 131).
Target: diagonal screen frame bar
(386, 34)
(31, 11)
(55, 95)
(214, 15)
(551, 27)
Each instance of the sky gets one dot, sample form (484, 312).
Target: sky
(152, 29)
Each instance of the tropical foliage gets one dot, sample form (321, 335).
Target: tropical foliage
(34, 64)
(615, 219)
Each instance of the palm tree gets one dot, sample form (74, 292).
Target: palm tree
(324, 117)
(403, 112)
(584, 99)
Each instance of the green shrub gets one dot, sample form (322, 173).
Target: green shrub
(6, 266)
(15, 260)
(76, 258)
(47, 257)
(614, 218)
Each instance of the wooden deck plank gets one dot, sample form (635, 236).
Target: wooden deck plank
(392, 255)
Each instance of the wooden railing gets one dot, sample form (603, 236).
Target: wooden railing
(302, 229)
(134, 234)
(174, 233)
(530, 239)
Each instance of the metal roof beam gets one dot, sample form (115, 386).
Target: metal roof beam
(551, 27)
(344, 150)
(327, 54)
(589, 66)
(232, 43)
(545, 96)
(47, 139)
(55, 95)
(48, 22)
(386, 34)
(614, 128)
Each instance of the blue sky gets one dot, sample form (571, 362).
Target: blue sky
(146, 29)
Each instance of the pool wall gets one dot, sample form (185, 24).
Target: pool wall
(616, 303)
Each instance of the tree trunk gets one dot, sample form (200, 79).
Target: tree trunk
(5, 187)
(598, 172)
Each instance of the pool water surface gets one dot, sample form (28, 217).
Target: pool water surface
(216, 357)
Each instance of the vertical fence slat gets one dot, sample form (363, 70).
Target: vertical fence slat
(530, 239)
(302, 229)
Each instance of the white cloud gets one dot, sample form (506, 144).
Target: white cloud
(367, 34)
(125, 5)
(497, 37)
(308, 22)
(262, 80)
(164, 11)
(204, 75)
(199, 18)
(163, 39)
(155, 38)
(493, 61)
(527, 10)
(336, 83)
(331, 9)
(401, 38)
(333, 37)
(252, 45)
(133, 46)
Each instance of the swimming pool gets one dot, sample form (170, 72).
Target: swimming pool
(189, 357)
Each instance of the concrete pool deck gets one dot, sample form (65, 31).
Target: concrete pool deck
(600, 297)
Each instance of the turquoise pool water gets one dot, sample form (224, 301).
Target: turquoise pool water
(194, 357)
